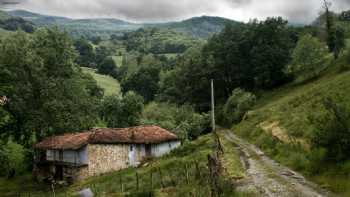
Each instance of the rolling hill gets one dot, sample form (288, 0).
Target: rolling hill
(198, 26)
(202, 27)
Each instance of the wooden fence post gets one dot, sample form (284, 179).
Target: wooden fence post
(161, 178)
(137, 181)
(121, 184)
(172, 178)
(198, 171)
(186, 174)
(151, 179)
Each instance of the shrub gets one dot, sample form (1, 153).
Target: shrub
(316, 156)
(123, 111)
(238, 104)
(108, 67)
(332, 131)
(12, 157)
(182, 120)
(309, 59)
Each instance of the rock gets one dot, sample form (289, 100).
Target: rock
(287, 173)
(86, 193)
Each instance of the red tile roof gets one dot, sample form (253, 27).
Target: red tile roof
(133, 135)
(70, 141)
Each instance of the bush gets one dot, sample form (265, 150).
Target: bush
(332, 131)
(309, 59)
(108, 67)
(123, 111)
(182, 120)
(238, 104)
(316, 156)
(12, 157)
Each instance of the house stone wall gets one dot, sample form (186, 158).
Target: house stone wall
(82, 173)
(106, 158)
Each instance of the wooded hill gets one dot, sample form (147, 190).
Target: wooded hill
(201, 27)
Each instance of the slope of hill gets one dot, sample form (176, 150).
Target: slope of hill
(284, 122)
(198, 26)
(108, 84)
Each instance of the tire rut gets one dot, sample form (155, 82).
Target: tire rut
(269, 177)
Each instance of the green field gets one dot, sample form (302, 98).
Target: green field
(118, 60)
(109, 84)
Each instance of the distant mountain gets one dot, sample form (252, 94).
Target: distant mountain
(4, 15)
(78, 27)
(12, 23)
(201, 27)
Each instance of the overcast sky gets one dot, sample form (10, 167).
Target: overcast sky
(298, 11)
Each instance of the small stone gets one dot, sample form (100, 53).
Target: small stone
(86, 193)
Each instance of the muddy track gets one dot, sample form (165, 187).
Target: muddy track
(270, 178)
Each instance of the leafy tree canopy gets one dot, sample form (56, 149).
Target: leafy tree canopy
(48, 93)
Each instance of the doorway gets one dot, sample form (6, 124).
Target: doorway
(132, 155)
(148, 149)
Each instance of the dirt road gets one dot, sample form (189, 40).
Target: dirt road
(270, 178)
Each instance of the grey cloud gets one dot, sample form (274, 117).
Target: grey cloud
(165, 10)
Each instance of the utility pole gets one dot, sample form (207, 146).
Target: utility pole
(212, 106)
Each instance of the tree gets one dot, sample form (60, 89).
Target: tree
(96, 40)
(183, 120)
(238, 104)
(335, 37)
(12, 159)
(144, 82)
(332, 130)
(251, 56)
(339, 42)
(14, 24)
(108, 67)
(102, 53)
(48, 93)
(309, 58)
(120, 111)
(86, 53)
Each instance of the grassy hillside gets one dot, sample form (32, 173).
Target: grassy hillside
(109, 84)
(181, 173)
(280, 124)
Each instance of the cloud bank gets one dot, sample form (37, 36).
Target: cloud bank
(298, 11)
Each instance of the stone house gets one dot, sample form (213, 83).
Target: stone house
(73, 157)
